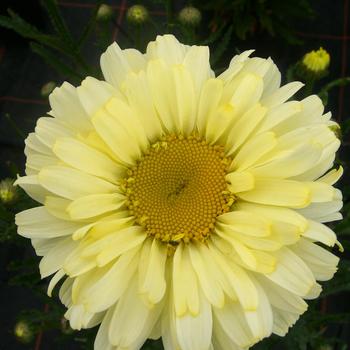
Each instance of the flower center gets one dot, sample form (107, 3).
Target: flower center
(178, 188)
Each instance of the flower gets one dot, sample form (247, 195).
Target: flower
(316, 62)
(24, 332)
(181, 205)
(8, 193)
(190, 16)
(104, 13)
(137, 14)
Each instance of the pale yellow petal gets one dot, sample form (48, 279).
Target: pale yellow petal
(67, 108)
(278, 114)
(290, 163)
(253, 150)
(167, 48)
(184, 94)
(247, 93)
(94, 205)
(132, 320)
(197, 63)
(72, 184)
(239, 279)
(332, 176)
(240, 181)
(87, 159)
(208, 103)
(245, 222)
(117, 63)
(321, 262)
(116, 137)
(185, 284)
(137, 91)
(282, 94)
(31, 185)
(54, 258)
(123, 241)
(244, 126)
(107, 285)
(286, 193)
(34, 144)
(285, 274)
(194, 332)
(320, 233)
(152, 269)
(38, 223)
(233, 324)
(206, 270)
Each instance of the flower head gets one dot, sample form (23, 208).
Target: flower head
(104, 13)
(137, 14)
(316, 61)
(181, 205)
(23, 332)
(190, 16)
(8, 192)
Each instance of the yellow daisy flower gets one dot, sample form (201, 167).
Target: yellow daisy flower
(181, 205)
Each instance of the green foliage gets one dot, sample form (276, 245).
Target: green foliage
(221, 46)
(51, 59)
(249, 17)
(62, 41)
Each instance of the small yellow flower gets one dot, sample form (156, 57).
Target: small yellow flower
(8, 192)
(317, 61)
(180, 204)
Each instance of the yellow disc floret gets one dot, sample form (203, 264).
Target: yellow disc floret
(178, 189)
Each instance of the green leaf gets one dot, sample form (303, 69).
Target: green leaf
(57, 21)
(52, 60)
(27, 30)
(90, 24)
(222, 46)
(214, 36)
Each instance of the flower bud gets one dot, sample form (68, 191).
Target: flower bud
(8, 192)
(315, 63)
(23, 332)
(137, 14)
(65, 327)
(104, 13)
(325, 347)
(190, 16)
(47, 89)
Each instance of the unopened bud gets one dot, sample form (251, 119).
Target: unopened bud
(137, 14)
(47, 89)
(190, 16)
(8, 192)
(23, 332)
(104, 13)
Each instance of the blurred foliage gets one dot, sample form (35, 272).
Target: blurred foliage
(217, 26)
(250, 17)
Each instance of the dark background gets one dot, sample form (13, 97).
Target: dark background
(22, 74)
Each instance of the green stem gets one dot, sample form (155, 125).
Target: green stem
(335, 83)
(14, 126)
(169, 14)
(309, 86)
(138, 37)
